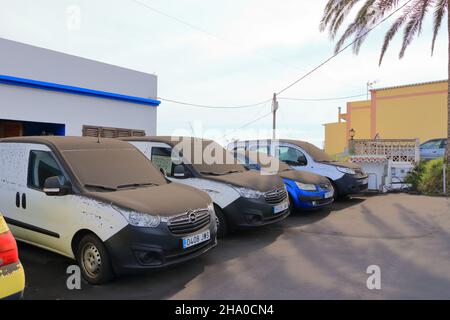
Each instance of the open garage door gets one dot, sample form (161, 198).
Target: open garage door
(15, 128)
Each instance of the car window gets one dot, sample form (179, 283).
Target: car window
(42, 166)
(443, 143)
(240, 149)
(433, 144)
(291, 156)
(259, 148)
(162, 158)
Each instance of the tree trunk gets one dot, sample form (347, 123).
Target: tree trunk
(447, 148)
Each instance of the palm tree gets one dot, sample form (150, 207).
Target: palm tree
(372, 12)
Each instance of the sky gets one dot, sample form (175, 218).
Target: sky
(226, 53)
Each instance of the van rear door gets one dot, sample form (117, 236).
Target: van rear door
(13, 184)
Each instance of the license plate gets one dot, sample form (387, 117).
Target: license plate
(196, 239)
(281, 207)
(329, 194)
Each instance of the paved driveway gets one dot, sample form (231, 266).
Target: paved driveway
(317, 255)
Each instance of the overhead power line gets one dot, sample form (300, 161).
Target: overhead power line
(190, 25)
(323, 99)
(246, 125)
(214, 107)
(257, 104)
(342, 50)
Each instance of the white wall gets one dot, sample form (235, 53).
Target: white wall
(27, 104)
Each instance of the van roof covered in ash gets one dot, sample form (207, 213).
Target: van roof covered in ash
(72, 143)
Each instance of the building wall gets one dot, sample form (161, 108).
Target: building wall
(27, 104)
(405, 112)
(335, 137)
(74, 110)
(412, 112)
(358, 119)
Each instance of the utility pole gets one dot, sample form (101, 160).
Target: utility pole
(274, 113)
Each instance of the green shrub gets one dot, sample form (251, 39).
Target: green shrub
(427, 177)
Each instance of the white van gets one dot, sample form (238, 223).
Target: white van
(347, 178)
(242, 197)
(102, 203)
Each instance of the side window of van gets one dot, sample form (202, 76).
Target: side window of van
(258, 148)
(162, 158)
(291, 156)
(240, 149)
(42, 165)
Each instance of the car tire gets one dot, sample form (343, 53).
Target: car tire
(94, 261)
(222, 225)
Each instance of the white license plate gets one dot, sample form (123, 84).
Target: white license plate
(329, 194)
(281, 207)
(196, 239)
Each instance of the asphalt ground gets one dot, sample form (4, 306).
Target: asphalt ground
(311, 255)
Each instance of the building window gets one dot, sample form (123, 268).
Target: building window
(105, 132)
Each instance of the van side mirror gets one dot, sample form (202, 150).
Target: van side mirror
(180, 172)
(56, 186)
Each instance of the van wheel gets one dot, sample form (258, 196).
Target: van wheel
(94, 261)
(222, 226)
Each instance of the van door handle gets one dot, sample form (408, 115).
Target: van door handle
(18, 200)
(24, 201)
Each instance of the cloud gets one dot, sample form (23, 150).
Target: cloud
(250, 49)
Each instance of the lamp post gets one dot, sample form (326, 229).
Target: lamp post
(351, 143)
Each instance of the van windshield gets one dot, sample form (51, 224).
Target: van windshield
(113, 169)
(317, 154)
(209, 158)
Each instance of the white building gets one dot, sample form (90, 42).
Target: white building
(43, 92)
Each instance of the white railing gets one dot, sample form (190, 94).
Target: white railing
(396, 150)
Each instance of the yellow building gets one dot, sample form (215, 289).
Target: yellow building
(403, 112)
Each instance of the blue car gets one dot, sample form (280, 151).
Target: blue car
(433, 149)
(306, 190)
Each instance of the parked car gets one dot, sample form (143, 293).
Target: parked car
(242, 197)
(433, 149)
(306, 190)
(346, 178)
(102, 203)
(12, 276)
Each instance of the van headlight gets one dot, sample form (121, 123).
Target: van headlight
(139, 219)
(249, 193)
(211, 209)
(306, 186)
(346, 170)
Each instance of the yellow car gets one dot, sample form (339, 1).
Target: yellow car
(12, 276)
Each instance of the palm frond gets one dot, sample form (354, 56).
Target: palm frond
(414, 24)
(439, 13)
(391, 33)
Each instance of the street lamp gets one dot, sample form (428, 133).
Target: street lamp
(352, 133)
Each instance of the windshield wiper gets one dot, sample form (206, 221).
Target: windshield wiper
(99, 186)
(135, 185)
(219, 173)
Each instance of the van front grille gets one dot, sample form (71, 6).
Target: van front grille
(275, 196)
(189, 222)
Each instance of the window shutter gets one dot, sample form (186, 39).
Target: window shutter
(94, 131)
